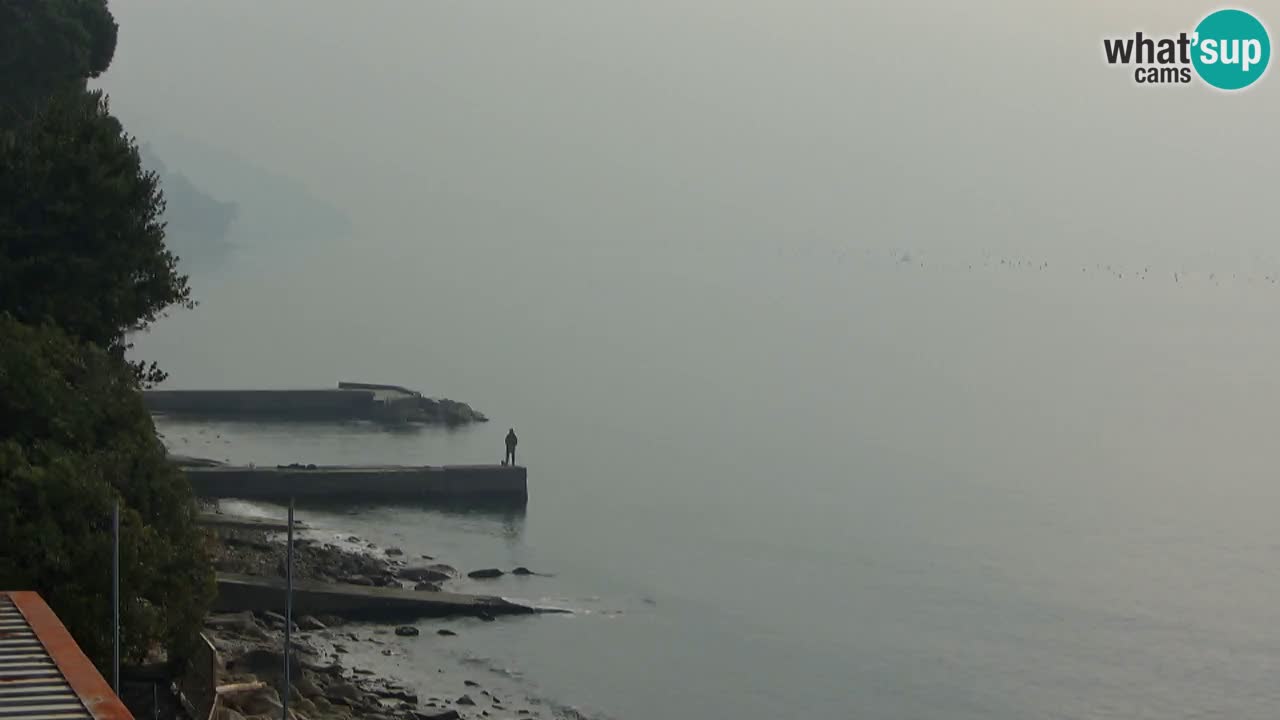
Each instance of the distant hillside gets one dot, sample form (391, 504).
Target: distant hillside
(273, 212)
(198, 223)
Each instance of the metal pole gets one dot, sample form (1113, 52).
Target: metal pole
(288, 613)
(115, 597)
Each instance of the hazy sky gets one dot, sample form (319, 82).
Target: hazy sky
(987, 122)
(616, 176)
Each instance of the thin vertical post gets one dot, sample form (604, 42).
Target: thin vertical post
(288, 613)
(115, 597)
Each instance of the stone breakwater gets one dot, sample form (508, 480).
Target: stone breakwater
(350, 401)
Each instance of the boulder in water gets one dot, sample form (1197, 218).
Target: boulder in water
(423, 574)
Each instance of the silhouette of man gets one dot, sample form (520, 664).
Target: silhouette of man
(510, 457)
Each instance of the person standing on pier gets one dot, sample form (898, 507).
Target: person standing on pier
(511, 447)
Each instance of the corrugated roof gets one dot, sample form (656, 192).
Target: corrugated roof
(43, 674)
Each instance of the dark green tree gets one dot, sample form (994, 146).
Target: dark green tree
(47, 47)
(74, 437)
(83, 264)
(82, 242)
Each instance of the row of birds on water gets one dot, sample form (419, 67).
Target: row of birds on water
(995, 262)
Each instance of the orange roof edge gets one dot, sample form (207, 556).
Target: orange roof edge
(94, 691)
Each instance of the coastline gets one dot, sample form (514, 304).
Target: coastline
(328, 682)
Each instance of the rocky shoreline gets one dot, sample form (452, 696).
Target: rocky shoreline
(325, 685)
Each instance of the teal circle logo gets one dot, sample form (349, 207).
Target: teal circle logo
(1231, 49)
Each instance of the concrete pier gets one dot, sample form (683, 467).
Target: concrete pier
(471, 483)
(248, 592)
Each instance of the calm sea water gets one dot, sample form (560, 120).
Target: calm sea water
(901, 489)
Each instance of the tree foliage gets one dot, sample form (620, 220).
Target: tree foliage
(83, 263)
(74, 436)
(82, 242)
(50, 46)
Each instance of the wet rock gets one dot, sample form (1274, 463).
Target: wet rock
(486, 616)
(396, 693)
(303, 647)
(307, 707)
(446, 633)
(394, 551)
(307, 687)
(358, 580)
(275, 620)
(265, 662)
(407, 631)
(242, 623)
(427, 587)
(423, 574)
(248, 544)
(449, 570)
(353, 539)
(255, 701)
(522, 570)
(306, 622)
(465, 700)
(485, 574)
(362, 671)
(331, 620)
(323, 669)
(226, 713)
(343, 692)
(427, 557)
(471, 683)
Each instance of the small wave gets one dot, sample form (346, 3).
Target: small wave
(249, 508)
(557, 606)
(530, 691)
